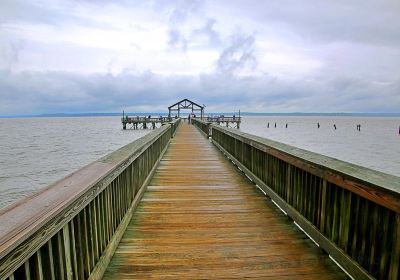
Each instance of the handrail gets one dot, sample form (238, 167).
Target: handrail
(174, 126)
(71, 228)
(127, 119)
(203, 126)
(352, 212)
(223, 119)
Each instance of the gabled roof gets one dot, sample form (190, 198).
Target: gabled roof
(187, 101)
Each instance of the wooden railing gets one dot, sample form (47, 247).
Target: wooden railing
(70, 229)
(351, 212)
(138, 119)
(222, 119)
(202, 125)
(174, 126)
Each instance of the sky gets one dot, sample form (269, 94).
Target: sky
(76, 56)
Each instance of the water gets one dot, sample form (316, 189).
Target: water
(376, 146)
(35, 152)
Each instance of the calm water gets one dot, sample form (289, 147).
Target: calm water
(38, 151)
(376, 146)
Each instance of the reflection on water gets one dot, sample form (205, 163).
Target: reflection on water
(376, 145)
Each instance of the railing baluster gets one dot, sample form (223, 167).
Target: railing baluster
(67, 252)
(27, 270)
(352, 215)
(395, 252)
(59, 256)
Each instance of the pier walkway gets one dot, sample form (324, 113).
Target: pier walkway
(201, 218)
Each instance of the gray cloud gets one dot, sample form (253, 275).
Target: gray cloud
(214, 38)
(368, 21)
(9, 53)
(179, 11)
(50, 92)
(182, 9)
(238, 55)
(176, 39)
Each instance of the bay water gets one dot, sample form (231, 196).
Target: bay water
(375, 145)
(35, 152)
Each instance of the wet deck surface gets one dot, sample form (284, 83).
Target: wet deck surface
(202, 219)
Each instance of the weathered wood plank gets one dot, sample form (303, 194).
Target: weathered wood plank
(201, 218)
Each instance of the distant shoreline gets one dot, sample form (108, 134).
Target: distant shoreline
(297, 114)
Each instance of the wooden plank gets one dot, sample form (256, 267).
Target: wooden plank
(343, 259)
(192, 224)
(108, 253)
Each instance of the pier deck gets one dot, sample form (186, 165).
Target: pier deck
(200, 218)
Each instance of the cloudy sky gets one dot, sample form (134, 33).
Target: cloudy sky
(261, 56)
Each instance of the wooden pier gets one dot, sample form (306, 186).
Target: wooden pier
(176, 204)
(202, 219)
(232, 122)
(144, 122)
(174, 112)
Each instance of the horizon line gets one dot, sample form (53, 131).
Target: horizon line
(248, 113)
